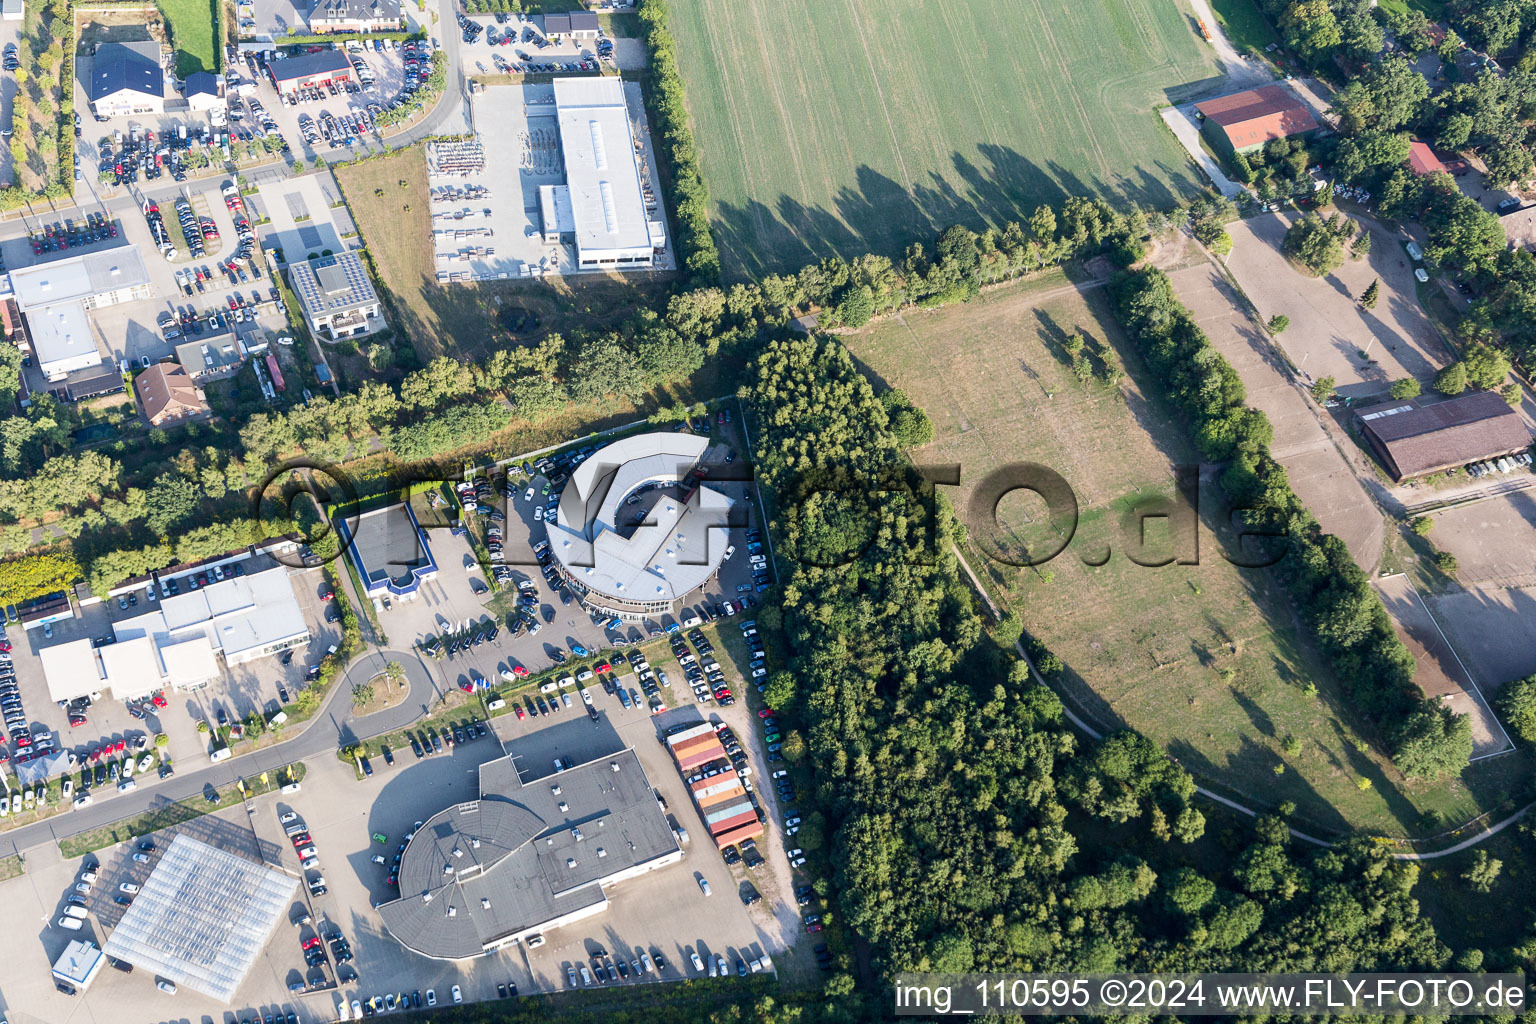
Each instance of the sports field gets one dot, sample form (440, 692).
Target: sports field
(1207, 659)
(856, 126)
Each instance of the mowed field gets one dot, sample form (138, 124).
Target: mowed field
(194, 29)
(1206, 659)
(857, 126)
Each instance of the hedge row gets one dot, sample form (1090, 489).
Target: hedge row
(1349, 622)
(669, 113)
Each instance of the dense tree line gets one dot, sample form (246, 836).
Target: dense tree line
(1348, 620)
(690, 198)
(949, 795)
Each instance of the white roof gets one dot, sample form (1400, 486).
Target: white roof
(71, 669)
(189, 661)
(674, 552)
(78, 277)
(601, 172)
(234, 616)
(132, 668)
(62, 338)
(202, 917)
(78, 963)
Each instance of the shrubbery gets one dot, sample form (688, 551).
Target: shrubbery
(1348, 619)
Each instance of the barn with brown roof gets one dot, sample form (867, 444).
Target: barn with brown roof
(168, 394)
(1414, 439)
(1422, 159)
(1244, 121)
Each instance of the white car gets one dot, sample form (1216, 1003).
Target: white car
(729, 551)
(431, 997)
(698, 964)
(83, 800)
(168, 987)
(88, 877)
(289, 817)
(529, 495)
(127, 785)
(458, 997)
(146, 763)
(704, 885)
(129, 888)
(357, 1009)
(68, 789)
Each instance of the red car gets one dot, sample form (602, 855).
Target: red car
(159, 699)
(313, 942)
(76, 721)
(604, 667)
(521, 714)
(119, 746)
(94, 755)
(467, 686)
(766, 713)
(23, 739)
(519, 671)
(300, 840)
(329, 595)
(5, 645)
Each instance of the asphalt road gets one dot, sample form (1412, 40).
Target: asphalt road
(333, 726)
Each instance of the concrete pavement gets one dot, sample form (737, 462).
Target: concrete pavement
(334, 725)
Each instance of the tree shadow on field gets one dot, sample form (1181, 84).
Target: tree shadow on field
(1315, 815)
(877, 214)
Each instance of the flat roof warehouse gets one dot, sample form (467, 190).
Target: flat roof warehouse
(602, 173)
(527, 856)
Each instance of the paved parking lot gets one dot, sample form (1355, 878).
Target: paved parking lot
(10, 32)
(458, 595)
(389, 70)
(253, 686)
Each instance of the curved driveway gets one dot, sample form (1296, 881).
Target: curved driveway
(334, 725)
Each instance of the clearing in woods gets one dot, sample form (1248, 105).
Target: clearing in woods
(1206, 659)
(850, 126)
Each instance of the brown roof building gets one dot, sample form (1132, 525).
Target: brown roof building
(168, 395)
(1244, 121)
(1413, 439)
(1422, 159)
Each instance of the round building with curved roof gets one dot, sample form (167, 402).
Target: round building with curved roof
(637, 530)
(528, 856)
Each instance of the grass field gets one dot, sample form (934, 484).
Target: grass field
(194, 31)
(854, 126)
(1206, 659)
(1245, 24)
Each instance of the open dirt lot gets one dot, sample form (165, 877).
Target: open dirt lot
(1321, 475)
(1206, 659)
(1329, 328)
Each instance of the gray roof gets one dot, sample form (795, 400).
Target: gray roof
(292, 69)
(355, 10)
(202, 83)
(209, 355)
(511, 862)
(678, 547)
(338, 282)
(120, 68)
(1417, 438)
(202, 917)
(388, 543)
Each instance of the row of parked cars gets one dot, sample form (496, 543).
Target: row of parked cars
(1506, 464)
(605, 968)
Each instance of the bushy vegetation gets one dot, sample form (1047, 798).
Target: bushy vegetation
(431, 88)
(690, 199)
(42, 113)
(1334, 594)
(956, 803)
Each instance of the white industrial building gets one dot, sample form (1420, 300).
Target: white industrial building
(337, 298)
(641, 559)
(178, 645)
(54, 298)
(605, 198)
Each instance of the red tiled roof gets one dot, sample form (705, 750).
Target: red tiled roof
(1422, 159)
(1258, 115)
